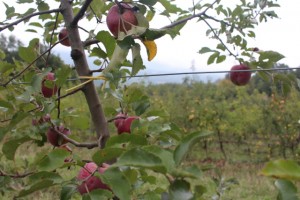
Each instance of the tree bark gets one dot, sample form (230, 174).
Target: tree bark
(82, 68)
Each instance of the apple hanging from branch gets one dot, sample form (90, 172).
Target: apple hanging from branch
(121, 18)
(54, 138)
(239, 76)
(49, 88)
(123, 123)
(89, 181)
(63, 37)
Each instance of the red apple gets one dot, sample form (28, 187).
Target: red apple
(89, 181)
(124, 126)
(240, 77)
(43, 119)
(119, 118)
(63, 34)
(49, 91)
(54, 138)
(120, 18)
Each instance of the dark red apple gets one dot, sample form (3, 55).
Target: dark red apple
(124, 126)
(48, 90)
(89, 181)
(54, 138)
(238, 76)
(63, 37)
(121, 18)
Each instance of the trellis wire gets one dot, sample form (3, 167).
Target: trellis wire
(190, 73)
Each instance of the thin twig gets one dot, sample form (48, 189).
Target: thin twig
(17, 175)
(28, 17)
(216, 35)
(58, 103)
(198, 15)
(68, 94)
(52, 34)
(81, 12)
(97, 18)
(217, 20)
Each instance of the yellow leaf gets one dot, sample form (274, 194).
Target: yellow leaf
(151, 48)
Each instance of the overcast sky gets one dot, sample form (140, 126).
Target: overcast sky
(180, 54)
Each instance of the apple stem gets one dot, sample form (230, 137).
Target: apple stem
(121, 8)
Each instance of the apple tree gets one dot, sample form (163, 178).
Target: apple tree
(129, 151)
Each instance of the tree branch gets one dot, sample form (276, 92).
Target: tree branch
(28, 17)
(74, 142)
(80, 14)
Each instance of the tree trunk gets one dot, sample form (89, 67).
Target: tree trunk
(82, 68)
(221, 144)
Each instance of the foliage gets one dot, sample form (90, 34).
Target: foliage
(157, 147)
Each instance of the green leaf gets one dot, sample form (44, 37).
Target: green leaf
(37, 177)
(142, 21)
(106, 154)
(138, 157)
(24, 1)
(55, 159)
(42, 6)
(174, 31)
(212, 58)
(67, 191)
(118, 182)
(10, 147)
(96, 51)
(205, 50)
(165, 155)
(98, 195)
(169, 8)
(119, 140)
(221, 58)
(189, 172)
(10, 11)
(271, 56)
(37, 24)
(97, 7)
(108, 41)
(137, 61)
(6, 68)
(152, 196)
(287, 190)
(282, 169)
(153, 34)
(180, 190)
(37, 186)
(148, 2)
(28, 54)
(186, 144)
